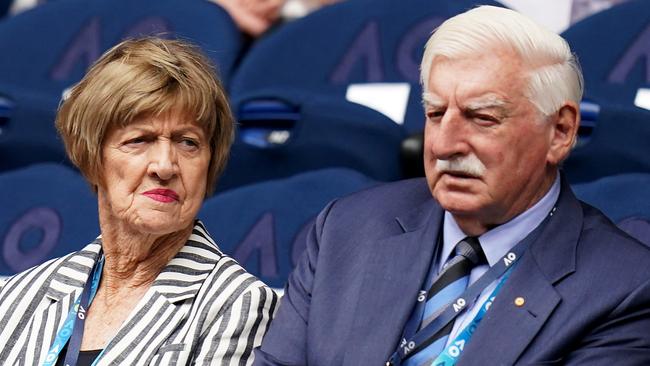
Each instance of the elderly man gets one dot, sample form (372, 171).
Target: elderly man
(503, 265)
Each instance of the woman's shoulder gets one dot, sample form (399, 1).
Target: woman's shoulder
(228, 280)
(53, 274)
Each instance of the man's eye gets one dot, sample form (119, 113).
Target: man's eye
(434, 114)
(486, 117)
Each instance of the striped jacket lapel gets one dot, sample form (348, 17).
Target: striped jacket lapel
(202, 306)
(60, 281)
(158, 322)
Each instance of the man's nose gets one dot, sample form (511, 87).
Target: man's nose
(163, 163)
(448, 136)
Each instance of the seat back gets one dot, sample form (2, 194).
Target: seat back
(48, 210)
(624, 199)
(613, 47)
(263, 226)
(27, 131)
(281, 133)
(49, 48)
(617, 143)
(373, 41)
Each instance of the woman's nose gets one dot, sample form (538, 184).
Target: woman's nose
(163, 162)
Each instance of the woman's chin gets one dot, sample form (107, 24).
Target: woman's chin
(159, 225)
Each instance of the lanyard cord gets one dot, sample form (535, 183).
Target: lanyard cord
(73, 327)
(413, 341)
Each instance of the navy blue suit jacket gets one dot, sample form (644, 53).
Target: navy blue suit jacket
(586, 286)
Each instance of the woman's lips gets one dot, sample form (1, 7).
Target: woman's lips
(162, 195)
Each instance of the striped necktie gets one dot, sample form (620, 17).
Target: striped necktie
(450, 283)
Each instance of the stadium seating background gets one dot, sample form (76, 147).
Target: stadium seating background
(300, 143)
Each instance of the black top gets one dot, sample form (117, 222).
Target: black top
(86, 358)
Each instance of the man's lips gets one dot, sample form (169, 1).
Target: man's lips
(162, 195)
(458, 174)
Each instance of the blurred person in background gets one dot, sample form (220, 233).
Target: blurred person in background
(150, 128)
(253, 17)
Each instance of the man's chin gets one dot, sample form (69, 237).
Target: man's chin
(457, 202)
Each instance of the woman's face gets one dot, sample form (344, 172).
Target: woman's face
(154, 173)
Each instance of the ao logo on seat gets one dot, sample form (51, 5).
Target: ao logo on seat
(366, 50)
(87, 44)
(43, 219)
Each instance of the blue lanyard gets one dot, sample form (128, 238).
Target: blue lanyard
(451, 354)
(413, 341)
(73, 327)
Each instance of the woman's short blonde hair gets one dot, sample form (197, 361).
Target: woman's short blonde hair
(138, 78)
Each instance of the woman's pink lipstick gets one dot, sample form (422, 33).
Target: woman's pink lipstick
(162, 195)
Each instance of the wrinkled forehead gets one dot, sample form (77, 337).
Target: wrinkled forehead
(170, 122)
(492, 61)
(482, 80)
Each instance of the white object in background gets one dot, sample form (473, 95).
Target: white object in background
(553, 14)
(18, 6)
(389, 99)
(642, 99)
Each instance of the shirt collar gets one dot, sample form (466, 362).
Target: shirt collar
(498, 241)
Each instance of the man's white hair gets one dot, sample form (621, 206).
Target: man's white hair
(555, 76)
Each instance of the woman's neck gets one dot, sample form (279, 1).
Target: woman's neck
(134, 260)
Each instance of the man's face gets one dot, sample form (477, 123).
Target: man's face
(486, 145)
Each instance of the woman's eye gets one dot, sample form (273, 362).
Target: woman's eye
(136, 141)
(189, 143)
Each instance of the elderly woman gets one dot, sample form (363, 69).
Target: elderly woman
(150, 129)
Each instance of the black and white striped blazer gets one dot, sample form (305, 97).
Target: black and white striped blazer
(202, 309)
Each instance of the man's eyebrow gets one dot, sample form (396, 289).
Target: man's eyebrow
(486, 103)
(429, 99)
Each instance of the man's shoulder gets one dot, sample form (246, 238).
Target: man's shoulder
(602, 235)
(392, 198)
(375, 212)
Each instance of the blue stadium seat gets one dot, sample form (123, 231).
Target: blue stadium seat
(624, 198)
(48, 210)
(4, 7)
(360, 41)
(616, 142)
(27, 132)
(282, 132)
(264, 225)
(613, 47)
(49, 48)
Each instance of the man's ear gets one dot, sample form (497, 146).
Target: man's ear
(564, 131)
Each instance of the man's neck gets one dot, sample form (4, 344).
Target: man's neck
(499, 239)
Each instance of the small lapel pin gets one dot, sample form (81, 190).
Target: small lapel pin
(520, 301)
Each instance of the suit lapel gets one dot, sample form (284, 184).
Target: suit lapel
(507, 329)
(394, 275)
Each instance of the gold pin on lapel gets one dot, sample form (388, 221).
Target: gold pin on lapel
(520, 301)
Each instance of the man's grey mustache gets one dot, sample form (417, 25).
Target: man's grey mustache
(468, 165)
